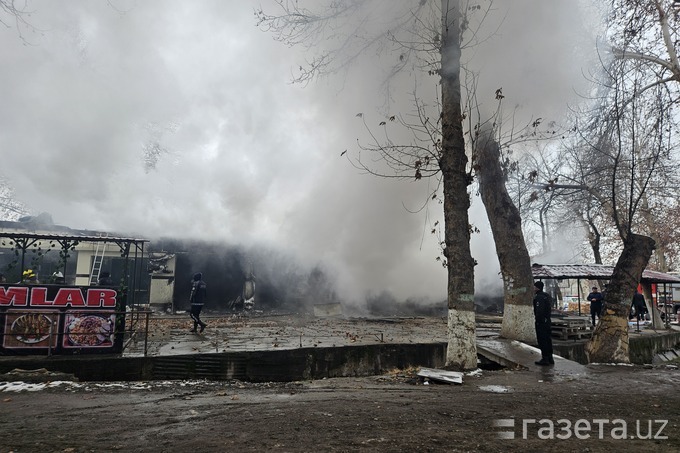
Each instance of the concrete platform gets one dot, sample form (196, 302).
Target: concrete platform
(294, 347)
(169, 335)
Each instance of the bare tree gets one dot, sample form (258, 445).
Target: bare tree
(643, 36)
(506, 226)
(627, 148)
(640, 35)
(428, 35)
(492, 164)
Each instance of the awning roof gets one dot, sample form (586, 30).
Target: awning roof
(594, 272)
(69, 237)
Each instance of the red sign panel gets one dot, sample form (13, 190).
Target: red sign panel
(60, 319)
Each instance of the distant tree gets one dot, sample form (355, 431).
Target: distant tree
(669, 233)
(153, 148)
(10, 207)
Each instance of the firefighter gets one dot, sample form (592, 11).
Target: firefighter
(28, 277)
(197, 299)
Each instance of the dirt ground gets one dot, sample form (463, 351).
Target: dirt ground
(394, 412)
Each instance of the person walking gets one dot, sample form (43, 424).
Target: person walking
(542, 309)
(639, 306)
(197, 299)
(595, 298)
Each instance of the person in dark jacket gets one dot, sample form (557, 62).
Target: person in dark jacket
(197, 299)
(105, 279)
(639, 306)
(595, 299)
(542, 309)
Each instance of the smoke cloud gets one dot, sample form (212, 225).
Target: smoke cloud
(177, 119)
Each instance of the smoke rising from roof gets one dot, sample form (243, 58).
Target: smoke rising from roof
(177, 119)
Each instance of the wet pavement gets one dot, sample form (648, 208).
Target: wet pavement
(515, 354)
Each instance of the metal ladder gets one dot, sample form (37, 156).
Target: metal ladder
(99, 253)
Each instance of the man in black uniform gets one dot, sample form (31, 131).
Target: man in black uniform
(542, 309)
(197, 299)
(639, 306)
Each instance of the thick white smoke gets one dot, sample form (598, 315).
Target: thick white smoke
(177, 119)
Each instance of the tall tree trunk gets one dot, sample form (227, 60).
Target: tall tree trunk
(610, 338)
(461, 353)
(506, 227)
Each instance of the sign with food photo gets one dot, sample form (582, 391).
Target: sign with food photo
(88, 330)
(30, 330)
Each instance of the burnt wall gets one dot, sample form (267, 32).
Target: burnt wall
(281, 282)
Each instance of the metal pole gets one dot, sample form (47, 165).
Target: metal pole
(146, 333)
(49, 342)
(665, 307)
(23, 257)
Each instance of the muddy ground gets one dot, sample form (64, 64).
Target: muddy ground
(393, 412)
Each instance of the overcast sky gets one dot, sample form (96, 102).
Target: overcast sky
(246, 156)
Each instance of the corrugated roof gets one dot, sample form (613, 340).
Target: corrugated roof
(594, 272)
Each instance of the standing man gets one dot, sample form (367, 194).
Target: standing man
(542, 309)
(105, 279)
(197, 299)
(595, 299)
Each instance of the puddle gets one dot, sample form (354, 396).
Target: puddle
(495, 389)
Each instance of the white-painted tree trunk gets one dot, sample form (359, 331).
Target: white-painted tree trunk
(506, 227)
(518, 323)
(461, 351)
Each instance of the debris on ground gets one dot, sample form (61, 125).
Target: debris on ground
(447, 377)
